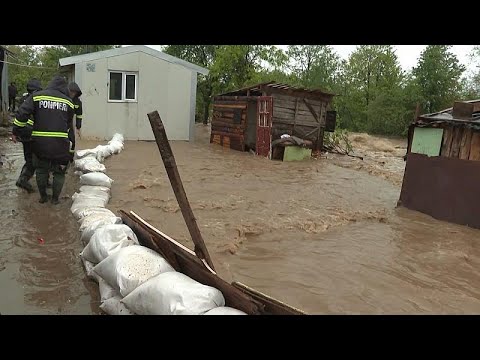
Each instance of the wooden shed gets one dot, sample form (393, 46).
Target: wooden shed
(442, 172)
(251, 118)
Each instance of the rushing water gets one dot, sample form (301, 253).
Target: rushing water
(323, 235)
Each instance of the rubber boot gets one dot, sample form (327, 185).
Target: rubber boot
(22, 181)
(58, 180)
(43, 196)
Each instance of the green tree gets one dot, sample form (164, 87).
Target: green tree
(314, 66)
(438, 75)
(231, 67)
(205, 56)
(372, 81)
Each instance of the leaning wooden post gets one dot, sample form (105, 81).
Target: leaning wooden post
(174, 176)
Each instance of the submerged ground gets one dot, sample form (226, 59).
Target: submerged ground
(323, 235)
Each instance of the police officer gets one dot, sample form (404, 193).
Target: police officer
(53, 112)
(75, 93)
(22, 132)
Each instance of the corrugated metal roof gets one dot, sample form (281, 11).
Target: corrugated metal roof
(277, 85)
(130, 49)
(446, 116)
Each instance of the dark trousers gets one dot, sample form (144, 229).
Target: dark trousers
(11, 103)
(42, 169)
(28, 169)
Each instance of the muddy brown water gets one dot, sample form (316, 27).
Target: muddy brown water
(322, 235)
(38, 278)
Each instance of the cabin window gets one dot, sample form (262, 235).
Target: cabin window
(122, 86)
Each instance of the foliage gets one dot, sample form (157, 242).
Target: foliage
(374, 94)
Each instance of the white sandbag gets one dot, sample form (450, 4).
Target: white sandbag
(103, 218)
(89, 164)
(103, 151)
(96, 179)
(79, 206)
(113, 306)
(130, 267)
(105, 290)
(90, 229)
(115, 147)
(107, 240)
(79, 154)
(91, 211)
(117, 137)
(93, 191)
(224, 310)
(91, 195)
(173, 293)
(89, 270)
(90, 188)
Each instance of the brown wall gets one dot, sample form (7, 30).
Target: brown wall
(442, 187)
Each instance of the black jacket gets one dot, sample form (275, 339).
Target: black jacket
(12, 91)
(32, 86)
(52, 110)
(77, 103)
(21, 130)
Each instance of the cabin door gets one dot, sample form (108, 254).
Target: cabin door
(264, 126)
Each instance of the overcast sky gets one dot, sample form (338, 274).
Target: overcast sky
(407, 54)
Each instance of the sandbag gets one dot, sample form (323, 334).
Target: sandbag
(79, 154)
(91, 195)
(115, 147)
(89, 164)
(91, 188)
(117, 137)
(106, 240)
(102, 152)
(105, 290)
(224, 310)
(103, 218)
(113, 306)
(79, 206)
(89, 270)
(173, 293)
(96, 179)
(130, 267)
(81, 214)
(89, 230)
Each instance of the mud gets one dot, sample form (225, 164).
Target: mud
(40, 271)
(323, 235)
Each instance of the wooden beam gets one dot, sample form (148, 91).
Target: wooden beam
(172, 171)
(312, 110)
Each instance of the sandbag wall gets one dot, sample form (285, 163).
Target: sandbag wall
(132, 279)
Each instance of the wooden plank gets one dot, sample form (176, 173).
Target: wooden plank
(222, 133)
(177, 186)
(475, 147)
(312, 110)
(457, 140)
(227, 114)
(462, 110)
(301, 120)
(230, 106)
(446, 142)
(272, 305)
(191, 266)
(227, 122)
(291, 99)
(234, 98)
(465, 144)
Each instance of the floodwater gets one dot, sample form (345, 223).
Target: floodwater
(322, 235)
(36, 277)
